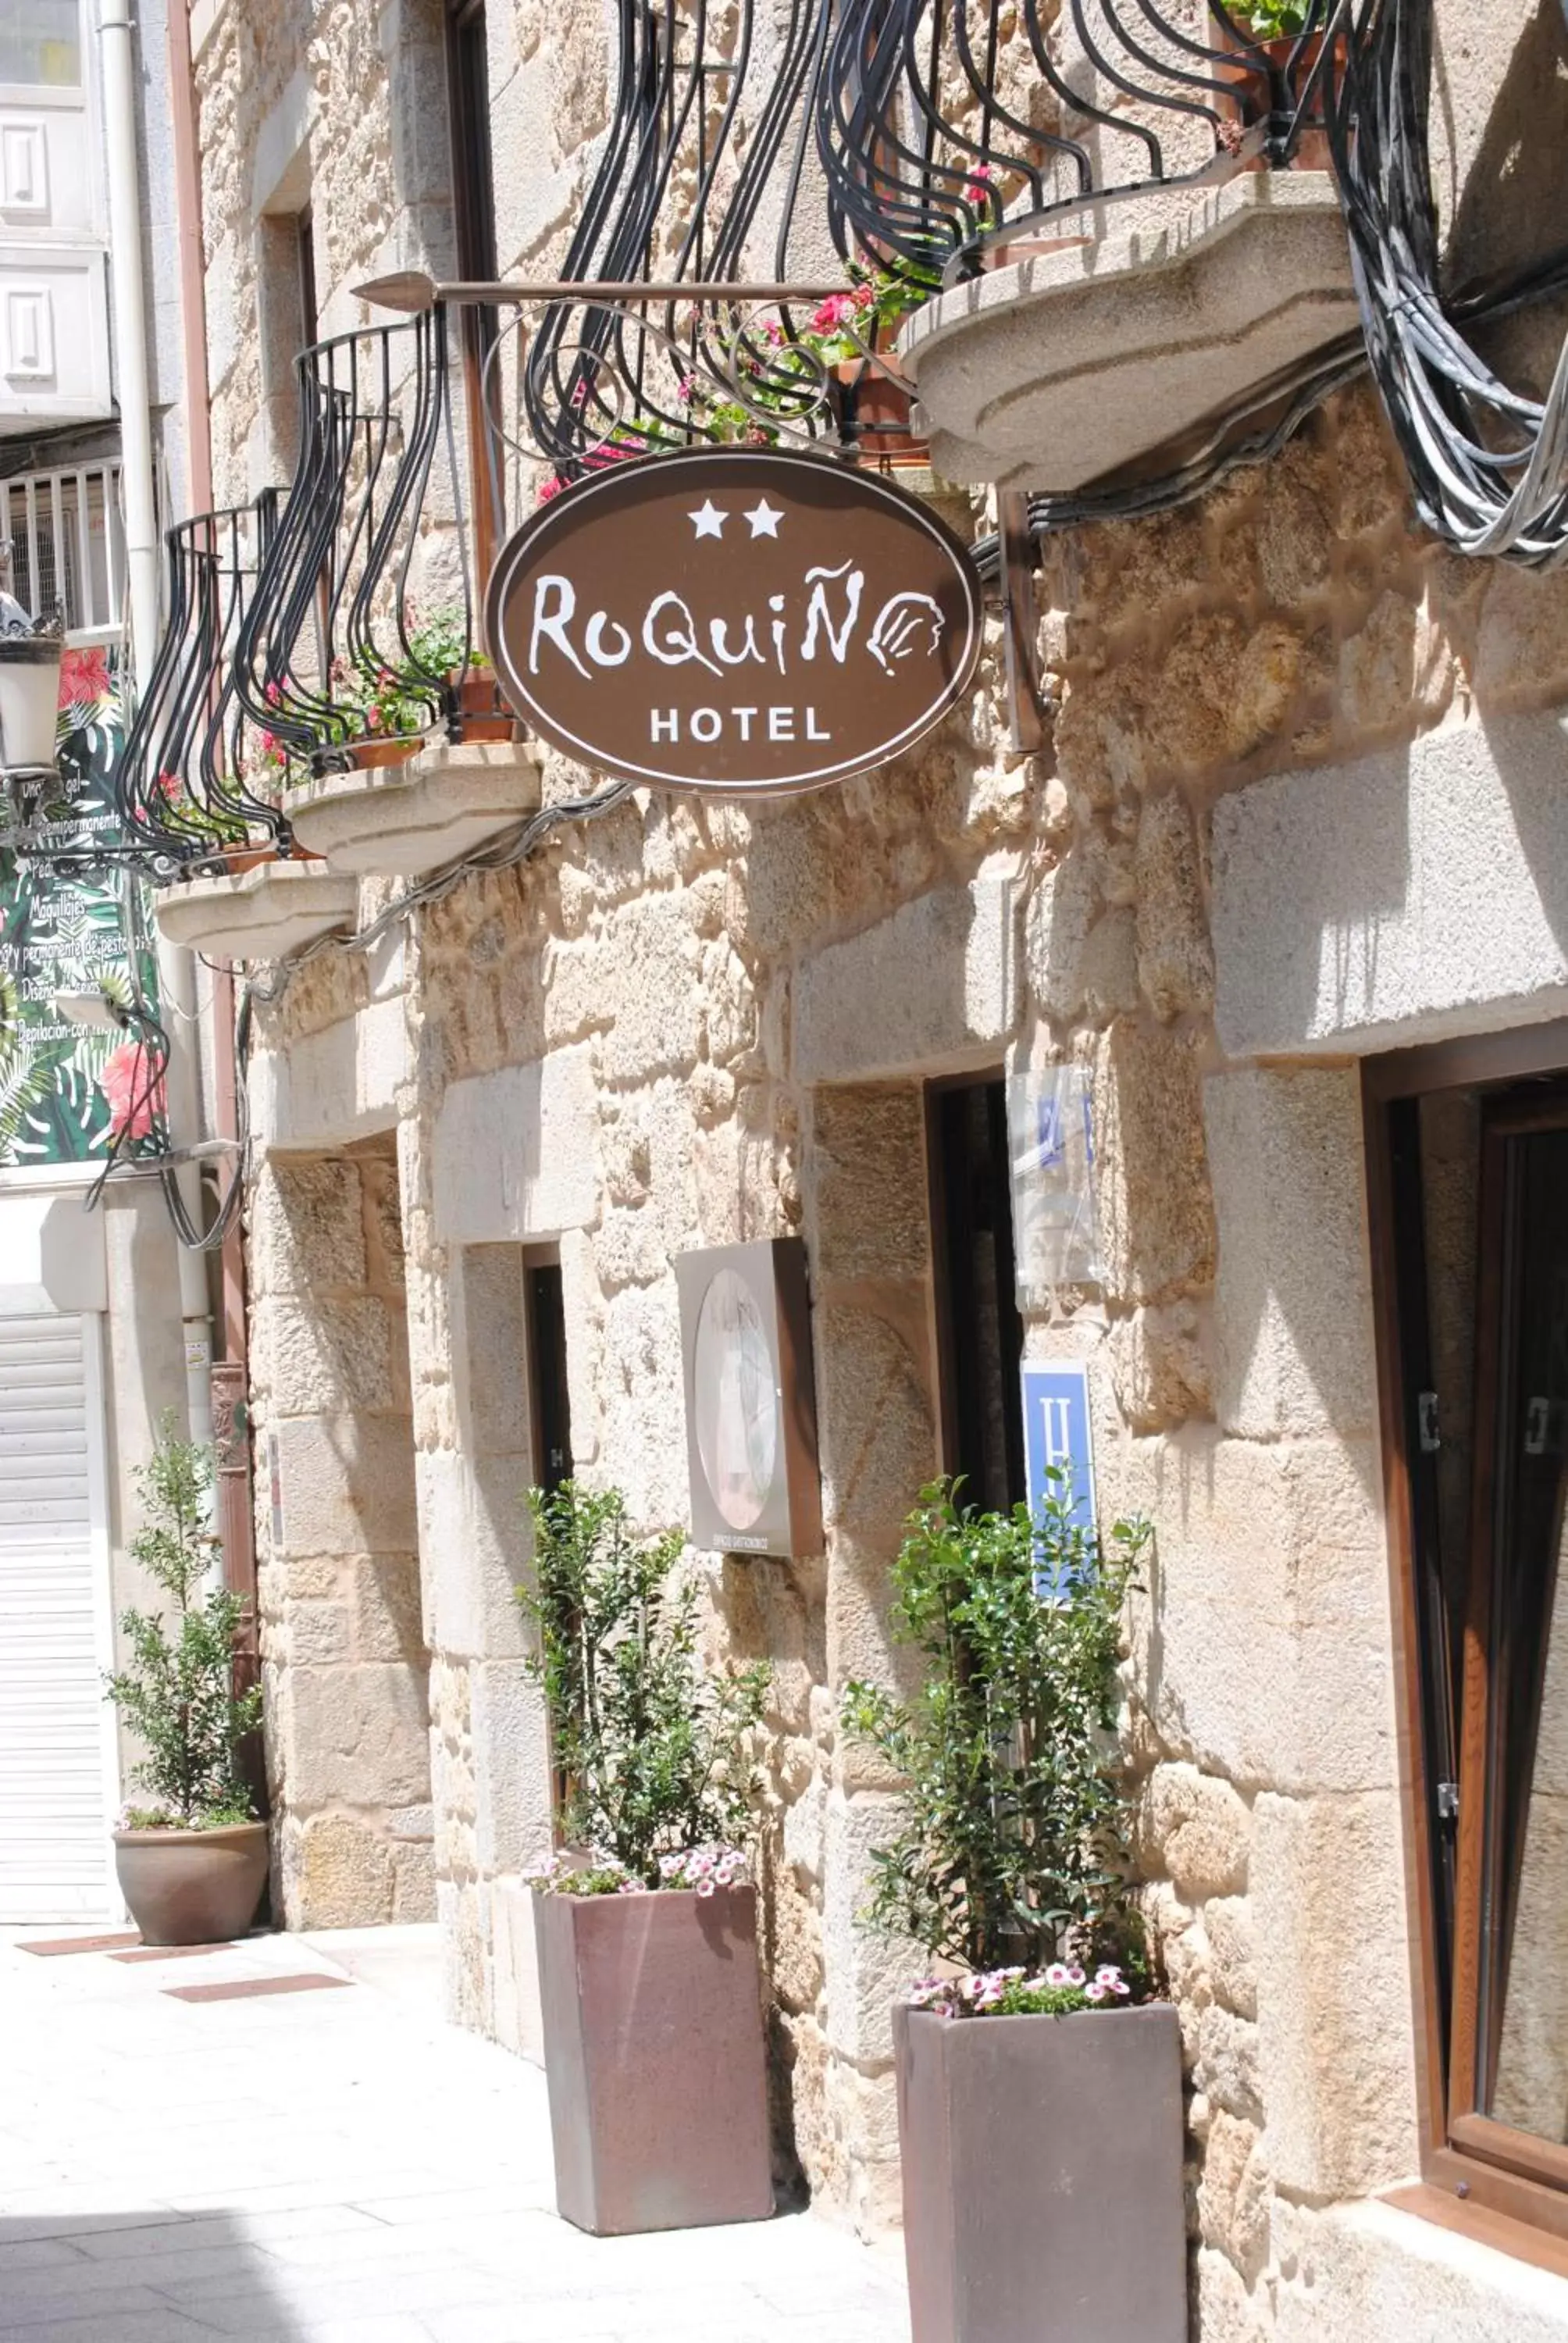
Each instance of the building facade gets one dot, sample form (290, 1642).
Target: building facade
(1273, 889)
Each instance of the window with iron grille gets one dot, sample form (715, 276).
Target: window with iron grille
(66, 542)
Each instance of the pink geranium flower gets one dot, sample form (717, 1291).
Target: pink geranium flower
(133, 1090)
(837, 310)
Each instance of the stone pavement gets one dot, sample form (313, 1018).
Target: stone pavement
(337, 2165)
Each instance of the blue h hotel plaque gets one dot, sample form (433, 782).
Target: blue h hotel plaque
(1056, 1432)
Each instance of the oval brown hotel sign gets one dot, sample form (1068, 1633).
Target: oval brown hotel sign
(733, 618)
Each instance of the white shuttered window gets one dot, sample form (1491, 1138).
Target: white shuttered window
(53, 1793)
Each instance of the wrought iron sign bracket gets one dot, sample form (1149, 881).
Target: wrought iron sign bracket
(412, 292)
(1029, 707)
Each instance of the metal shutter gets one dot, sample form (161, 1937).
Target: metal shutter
(53, 1824)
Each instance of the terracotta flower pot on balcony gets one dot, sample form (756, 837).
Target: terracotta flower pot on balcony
(192, 1887)
(481, 712)
(881, 407)
(370, 756)
(1041, 2161)
(1248, 74)
(653, 2050)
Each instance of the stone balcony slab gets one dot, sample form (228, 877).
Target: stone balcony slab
(1140, 322)
(264, 913)
(397, 822)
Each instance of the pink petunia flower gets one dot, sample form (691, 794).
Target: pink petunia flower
(1096, 1992)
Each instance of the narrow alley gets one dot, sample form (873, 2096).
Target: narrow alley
(280, 2141)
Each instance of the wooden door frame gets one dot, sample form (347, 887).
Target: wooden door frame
(1464, 2155)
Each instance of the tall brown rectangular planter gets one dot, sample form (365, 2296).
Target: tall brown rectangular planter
(654, 2054)
(1042, 2176)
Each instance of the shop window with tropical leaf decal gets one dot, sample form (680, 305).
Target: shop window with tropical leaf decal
(68, 1090)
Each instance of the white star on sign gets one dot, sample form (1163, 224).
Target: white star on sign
(708, 519)
(764, 519)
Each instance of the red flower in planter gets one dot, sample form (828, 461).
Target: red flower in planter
(85, 675)
(133, 1090)
(836, 311)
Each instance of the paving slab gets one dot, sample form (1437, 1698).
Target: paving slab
(339, 2166)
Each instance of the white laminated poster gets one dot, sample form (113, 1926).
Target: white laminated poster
(1050, 1148)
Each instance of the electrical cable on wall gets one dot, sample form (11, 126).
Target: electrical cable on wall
(1488, 466)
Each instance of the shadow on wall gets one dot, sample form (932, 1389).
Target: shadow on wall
(1339, 882)
(1515, 177)
(141, 2275)
(1531, 760)
(1412, 895)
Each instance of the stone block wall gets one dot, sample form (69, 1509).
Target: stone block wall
(346, 1666)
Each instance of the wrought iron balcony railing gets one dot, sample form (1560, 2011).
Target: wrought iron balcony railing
(359, 638)
(709, 173)
(952, 129)
(198, 777)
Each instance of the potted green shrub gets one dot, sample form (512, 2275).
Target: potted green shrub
(1039, 2084)
(191, 1859)
(646, 1921)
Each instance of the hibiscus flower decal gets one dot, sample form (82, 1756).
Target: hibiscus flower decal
(132, 1082)
(85, 677)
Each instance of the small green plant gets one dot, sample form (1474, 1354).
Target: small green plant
(653, 1751)
(398, 699)
(1013, 1853)
(1275, 20)
(177, 1686)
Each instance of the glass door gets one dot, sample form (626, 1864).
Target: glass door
(1514, 1786)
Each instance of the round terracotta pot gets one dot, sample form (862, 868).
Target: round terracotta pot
(192, 1887)
(881, 407)
(1251, 80)
(369, 755)
(482, 713)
